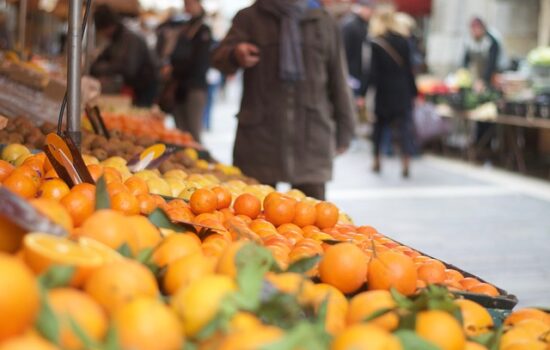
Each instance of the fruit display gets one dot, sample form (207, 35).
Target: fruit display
(22, 131)
(233, 266)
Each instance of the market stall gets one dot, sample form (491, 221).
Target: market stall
(134, 238)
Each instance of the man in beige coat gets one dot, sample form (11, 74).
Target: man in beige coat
(296, 111)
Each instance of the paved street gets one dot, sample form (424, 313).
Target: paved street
(489, 222)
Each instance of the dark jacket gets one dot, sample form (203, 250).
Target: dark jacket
(128, 55)
(491, 57)
(355, 34)
(289, 132)
(395, 84)
(190, 58)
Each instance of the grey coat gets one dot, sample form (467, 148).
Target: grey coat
(289, 132)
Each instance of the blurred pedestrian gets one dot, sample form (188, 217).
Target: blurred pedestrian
(126, 55)
(482, 54)
(188, 54)
(355, 29)
(6, 42)
(392, 76)
(296, 111)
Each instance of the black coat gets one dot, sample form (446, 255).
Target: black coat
(355, 33)
(395, 84)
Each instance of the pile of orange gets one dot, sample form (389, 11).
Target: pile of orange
(198, 270)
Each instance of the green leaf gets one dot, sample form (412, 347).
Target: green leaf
(402, 301)
(160, 219)
(81, 335)
(102, 200)
(411, 341)
(47, 323)
(125, 251)
(57, 276)
(189, 346)
(145, 255)
(322, 313)
(484, 339)
(281, 310)
(252, 262)
(111, 339)
(304, 265)
(378, 313)
(304, 336)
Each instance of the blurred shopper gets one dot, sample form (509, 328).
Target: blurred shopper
(187, 64)
(357, 44)
(5, 35)
(126, 55)
(482, 54)
(392, 76)
(296, 111)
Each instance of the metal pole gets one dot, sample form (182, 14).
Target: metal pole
(22, 26)
(74, 40)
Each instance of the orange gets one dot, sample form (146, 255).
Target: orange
(51, 174)
(432, 271)
(441, 329)
(125, 203)
(114, 188)
(365, 304)
(327, 215)
(79, 206)
(527, 314)
(285, 228)
(280, 211)
(95, 170)
(21, 185)
(226, 263)
(392, 270)
(532, 332)
(144, 235)
(468, 282)
(470, 345)
(11, 235)
(19, 297)
(198, 303)
(259, 225)
(365, 337)
(26, 342)
(287, 282)
(476, 319)
(53, 189)
(147, 203)
(111, 175)
(54, 211)
(337, 304)
(185, 270)
(5, 169)
(344, 266)
(453, 275)
(224, 197)
(147, 324)
(107, 253)
(42, 251)
(136, 186)
(527, 345)
(272, 196)
(108, 227)
(305, 214)
(115, 283)
(484, 288)
(73, 304)
(247, 204)
(28, 172)
(176, 246)
(256, 338)
(203, 201)
(86, 189)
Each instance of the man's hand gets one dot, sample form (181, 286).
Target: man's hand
(247, 55)
(360, 102)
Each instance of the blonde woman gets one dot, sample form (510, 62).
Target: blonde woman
(392, 76)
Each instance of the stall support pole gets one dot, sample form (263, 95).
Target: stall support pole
(74, 70)
(22, 24)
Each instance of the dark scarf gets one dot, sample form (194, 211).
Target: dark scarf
(290, 12)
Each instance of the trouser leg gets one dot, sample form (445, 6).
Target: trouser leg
(315, 190)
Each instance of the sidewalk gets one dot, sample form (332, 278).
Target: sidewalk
(489, 222)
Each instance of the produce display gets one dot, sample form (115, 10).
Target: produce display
(118, 150)
(233, 266)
